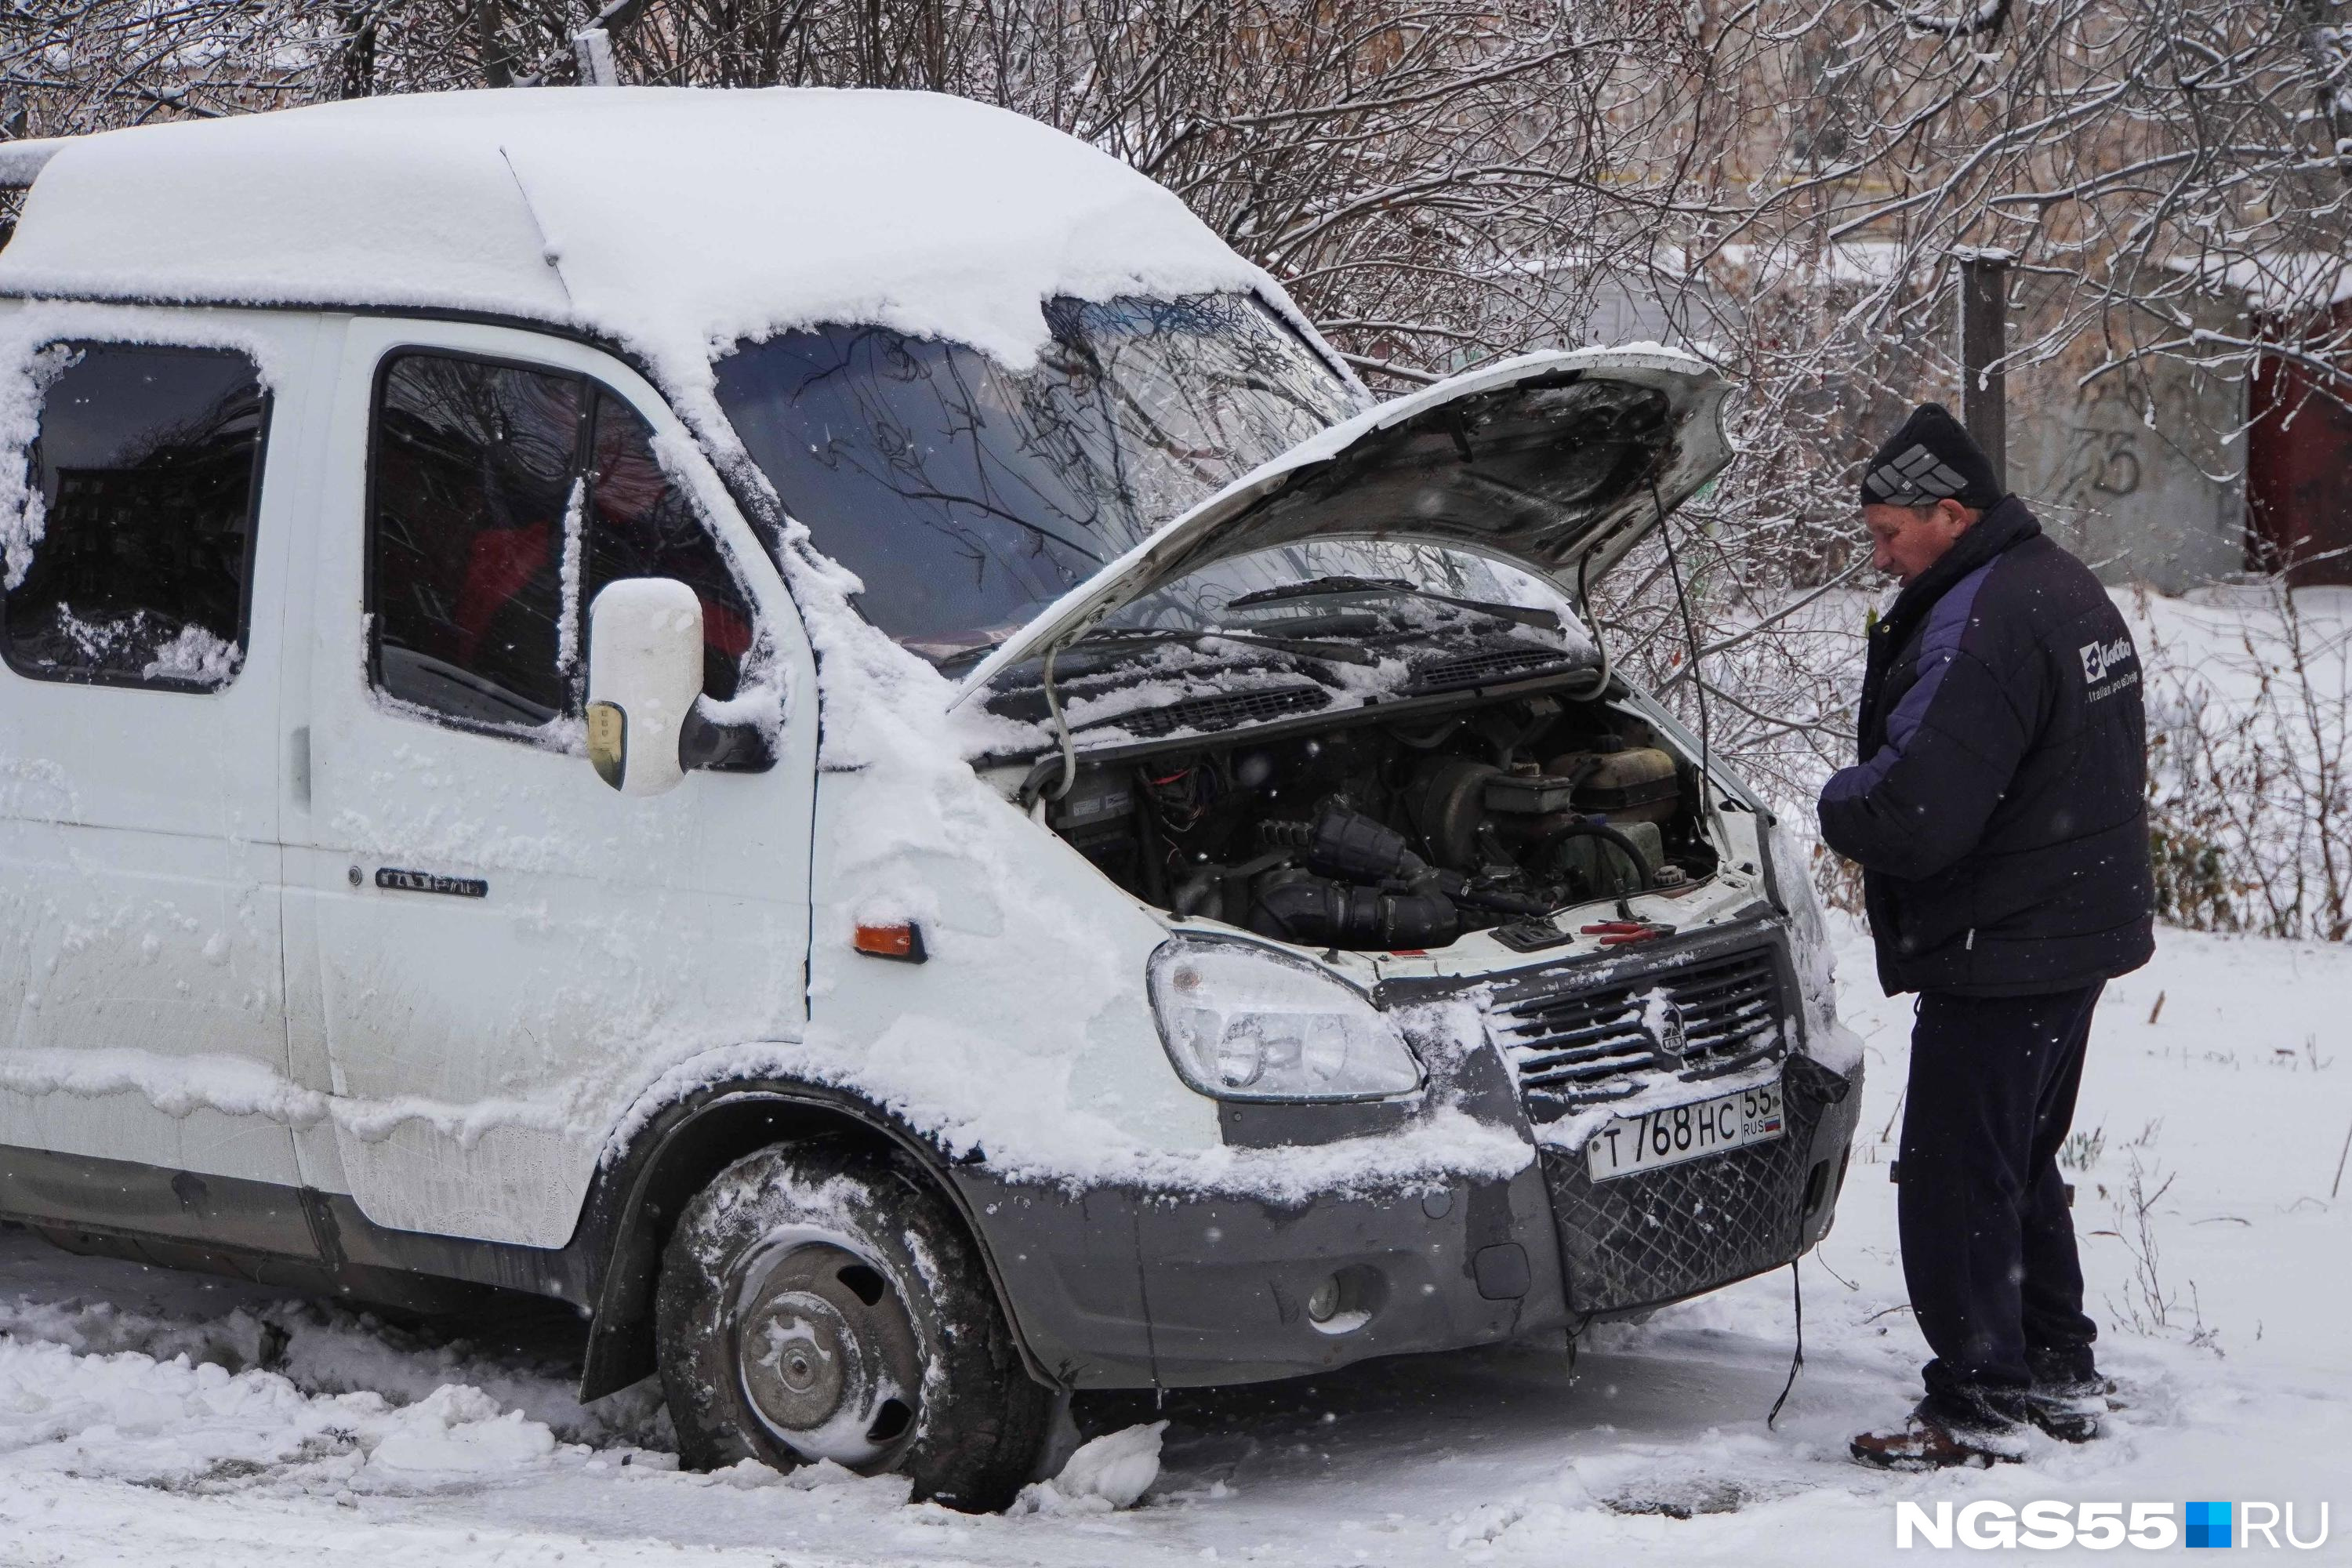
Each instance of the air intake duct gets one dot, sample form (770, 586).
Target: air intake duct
(1314, 911)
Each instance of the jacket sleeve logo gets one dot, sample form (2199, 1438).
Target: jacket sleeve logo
(2102, 658)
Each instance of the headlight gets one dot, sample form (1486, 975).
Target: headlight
(1241, 1023)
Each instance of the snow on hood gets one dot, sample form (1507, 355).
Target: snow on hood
(1543, 459)
(675, 220)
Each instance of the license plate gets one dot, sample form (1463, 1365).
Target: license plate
(1630, 1144)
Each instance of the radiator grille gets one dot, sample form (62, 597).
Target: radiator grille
(1573, 1048)
(1222, 712)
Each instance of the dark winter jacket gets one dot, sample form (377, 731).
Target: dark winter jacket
(1999, 811)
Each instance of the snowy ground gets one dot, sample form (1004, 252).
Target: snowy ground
(162, 1419)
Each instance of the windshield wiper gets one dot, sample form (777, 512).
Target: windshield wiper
(1337, 653)
(1318, 588)
(964, 658)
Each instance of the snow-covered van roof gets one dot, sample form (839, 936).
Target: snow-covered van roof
(675, 220)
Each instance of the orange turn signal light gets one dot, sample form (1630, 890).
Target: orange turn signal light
(902, 941)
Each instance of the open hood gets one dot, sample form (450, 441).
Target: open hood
(1548, 460)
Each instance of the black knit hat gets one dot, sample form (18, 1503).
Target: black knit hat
(1931, 458)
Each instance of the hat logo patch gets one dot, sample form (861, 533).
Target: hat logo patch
(1918, 475)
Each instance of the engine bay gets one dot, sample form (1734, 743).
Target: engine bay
(1397, 836)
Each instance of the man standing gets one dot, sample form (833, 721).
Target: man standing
(1997, 815)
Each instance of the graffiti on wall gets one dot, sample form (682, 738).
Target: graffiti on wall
(2149, 500)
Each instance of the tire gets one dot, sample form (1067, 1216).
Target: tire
(826, 1303)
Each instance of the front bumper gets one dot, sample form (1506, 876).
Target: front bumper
(1117, 1288)
(1120, 1288)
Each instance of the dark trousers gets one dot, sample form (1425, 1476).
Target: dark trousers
(1987, 1245)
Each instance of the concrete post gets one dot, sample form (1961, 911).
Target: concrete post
(1984, 342)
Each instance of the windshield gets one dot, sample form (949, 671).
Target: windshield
(967, 498)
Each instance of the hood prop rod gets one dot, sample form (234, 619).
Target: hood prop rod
(1061, 729)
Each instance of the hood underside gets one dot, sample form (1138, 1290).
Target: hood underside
(1553, 461)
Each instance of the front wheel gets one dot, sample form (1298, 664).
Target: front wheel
(827, 1304)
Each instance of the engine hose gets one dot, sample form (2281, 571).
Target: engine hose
(1591, 623)
(1429, 740)
(1314, 911)
(1597, 830)
(1032, 792)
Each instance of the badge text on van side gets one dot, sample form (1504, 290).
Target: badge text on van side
(401, 881)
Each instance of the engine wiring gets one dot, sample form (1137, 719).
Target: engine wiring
(1180, 798)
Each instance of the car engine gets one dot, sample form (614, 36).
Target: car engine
(1396, 836)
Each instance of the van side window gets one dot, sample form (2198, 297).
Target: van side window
(641, 526)
(474, 510)
(132, 561)
(503, 497)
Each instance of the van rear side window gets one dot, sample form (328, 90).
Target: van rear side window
(135, 558)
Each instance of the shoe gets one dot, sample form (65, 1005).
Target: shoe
(1927, 1442)
(2070, 1376)
(2069, 1413)
(2095, 1393)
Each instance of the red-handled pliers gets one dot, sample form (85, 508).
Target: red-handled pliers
(1625, 933)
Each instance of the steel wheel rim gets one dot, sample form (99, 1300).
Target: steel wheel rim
(827, 1357)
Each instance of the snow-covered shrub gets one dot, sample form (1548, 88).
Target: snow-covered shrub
(2249, 749)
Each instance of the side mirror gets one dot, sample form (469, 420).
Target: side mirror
(645, 671)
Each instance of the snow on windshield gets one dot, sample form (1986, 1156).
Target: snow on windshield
(966, 495)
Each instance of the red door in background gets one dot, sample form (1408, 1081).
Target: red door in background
(2298, 455)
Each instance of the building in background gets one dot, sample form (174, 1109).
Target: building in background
(2140, 471)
